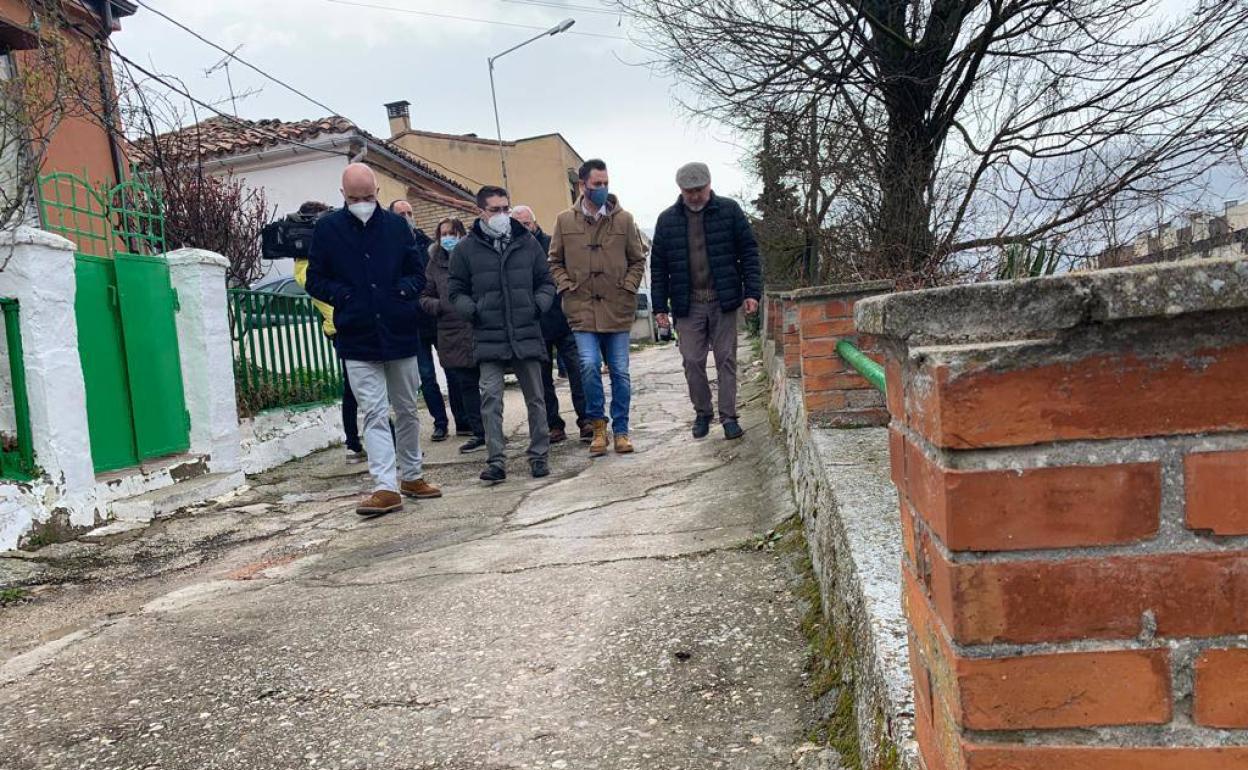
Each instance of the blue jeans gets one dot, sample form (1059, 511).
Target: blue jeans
(592, 346)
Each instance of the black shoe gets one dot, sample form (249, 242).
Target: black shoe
(439, 433)
(732, 430)
(493, 474)
(587, 433)
(463, 432)
(558, 435)
(474, 444)
(540, 468)
(701, 426)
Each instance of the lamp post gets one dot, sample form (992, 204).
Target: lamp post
(555, 30)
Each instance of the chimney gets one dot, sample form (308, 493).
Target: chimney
(400, 117)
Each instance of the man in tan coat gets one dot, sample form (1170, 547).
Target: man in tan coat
(598, 263)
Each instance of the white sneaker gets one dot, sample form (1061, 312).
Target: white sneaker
(356, 457)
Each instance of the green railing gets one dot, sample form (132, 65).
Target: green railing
(17, 463)
(873, 372)
(282, 357)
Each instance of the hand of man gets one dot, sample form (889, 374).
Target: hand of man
(751, 306)
(662, 319)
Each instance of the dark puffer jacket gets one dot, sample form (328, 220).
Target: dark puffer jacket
(454, 333)
(373, 275)
(730, 249)
(503, 295)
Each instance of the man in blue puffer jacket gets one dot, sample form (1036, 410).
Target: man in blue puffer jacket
(364, 262)
(704, 265)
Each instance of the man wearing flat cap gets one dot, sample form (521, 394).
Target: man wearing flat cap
(704, 266)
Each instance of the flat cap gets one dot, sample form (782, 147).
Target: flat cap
(693, 175)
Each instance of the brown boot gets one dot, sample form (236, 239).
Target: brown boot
(622, 445)
(598, 447)
(379, 502)
(420, 489)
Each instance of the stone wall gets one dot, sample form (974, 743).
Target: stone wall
(848, 507)
(1072, 455)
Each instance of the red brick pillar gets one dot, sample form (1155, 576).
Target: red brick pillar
(1072, 459)
(836, 394)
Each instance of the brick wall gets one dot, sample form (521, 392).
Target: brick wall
(429, 212)
(805, 325)
(1071, 457)
(836, 394)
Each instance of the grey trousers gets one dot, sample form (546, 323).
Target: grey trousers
(529, 373)
(378, 386)
(709, 329)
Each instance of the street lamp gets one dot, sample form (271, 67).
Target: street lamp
(562, 26)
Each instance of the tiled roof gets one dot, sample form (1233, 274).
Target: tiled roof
(224, 136)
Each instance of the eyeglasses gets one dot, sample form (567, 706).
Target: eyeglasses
(498, 209)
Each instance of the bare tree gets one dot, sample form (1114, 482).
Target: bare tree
(202, 210)
(981, 123)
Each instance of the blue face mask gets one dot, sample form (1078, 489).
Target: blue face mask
(448, 243)
(597, 195)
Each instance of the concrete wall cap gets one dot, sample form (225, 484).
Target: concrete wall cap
(196, 257)
(842, 290)
(24, 235)
(1004, 310)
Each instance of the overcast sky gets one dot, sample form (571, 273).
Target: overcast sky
(354, 59)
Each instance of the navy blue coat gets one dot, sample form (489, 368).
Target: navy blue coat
(554, 322)
(730, 248)
(372, 274)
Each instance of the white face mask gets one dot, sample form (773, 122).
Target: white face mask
(499, 224)
(363, 211)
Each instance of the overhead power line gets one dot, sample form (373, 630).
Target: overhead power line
(452, 17)
(234, 56)
(180, 91)
(564, 7)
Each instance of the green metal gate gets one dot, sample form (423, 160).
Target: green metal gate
(125, 305)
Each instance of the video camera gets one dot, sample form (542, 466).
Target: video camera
(289, 237)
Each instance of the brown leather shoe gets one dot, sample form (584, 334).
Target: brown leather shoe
(558, 435)
(420, 489)
(587, 433)
(598, 447)
(380, 502)
(622, 445)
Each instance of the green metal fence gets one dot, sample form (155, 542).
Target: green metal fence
(17, 462)
(281, 355)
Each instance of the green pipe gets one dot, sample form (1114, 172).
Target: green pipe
(17, 369)
(873, 372)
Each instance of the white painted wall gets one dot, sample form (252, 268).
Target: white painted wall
(40, 274)
(206, 352)
(278, 436)
(289, 180)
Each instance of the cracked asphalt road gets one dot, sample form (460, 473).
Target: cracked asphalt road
(612, 616)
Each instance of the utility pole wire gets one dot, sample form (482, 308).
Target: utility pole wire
(233, 56)
(452, 17)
